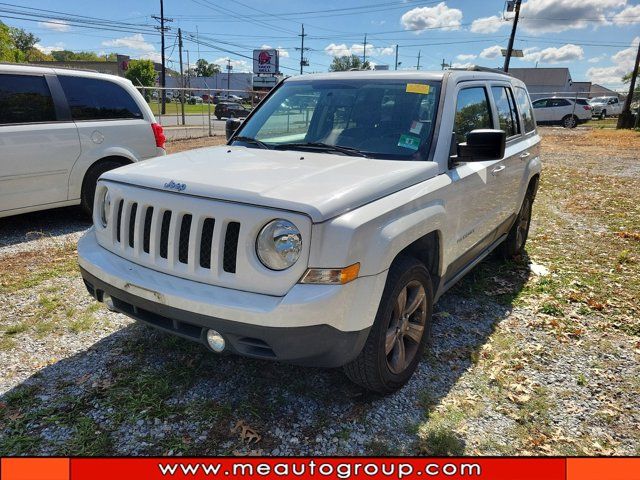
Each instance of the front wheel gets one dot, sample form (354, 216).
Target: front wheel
(603, 114)
(400, 332)
(570, 121)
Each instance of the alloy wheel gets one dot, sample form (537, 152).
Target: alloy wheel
(406, 326)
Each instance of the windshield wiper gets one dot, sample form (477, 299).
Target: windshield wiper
(323, 146)
(255, 141)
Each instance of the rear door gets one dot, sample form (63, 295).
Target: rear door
(107, 117)
(505, 184)
(38, 141)
(541, 111)
(558, 108)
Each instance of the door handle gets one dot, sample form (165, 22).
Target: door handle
(524, 155)
(496, 170)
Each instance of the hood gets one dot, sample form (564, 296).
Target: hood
(321, 185)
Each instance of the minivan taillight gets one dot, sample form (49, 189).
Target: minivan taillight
(587, 107)
(158, 133)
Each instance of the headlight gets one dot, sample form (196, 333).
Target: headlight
(105, 207)
(279, 244)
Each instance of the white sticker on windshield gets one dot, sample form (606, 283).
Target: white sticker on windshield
(416, 127)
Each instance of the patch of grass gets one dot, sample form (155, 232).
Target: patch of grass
(88, 440)
(550, 308)
(7, 343)
(17, 328)
(581, 380)
(83, 323)
(441, 441)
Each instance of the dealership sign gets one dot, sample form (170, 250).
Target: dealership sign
(265, 61)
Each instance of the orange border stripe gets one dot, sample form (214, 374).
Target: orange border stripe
(603, 469)
(34, 469)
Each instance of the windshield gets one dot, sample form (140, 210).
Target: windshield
(389, 119)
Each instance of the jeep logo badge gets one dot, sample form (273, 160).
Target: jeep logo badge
(180, 187)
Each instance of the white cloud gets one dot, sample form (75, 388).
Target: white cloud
(545, 16)
(155, 56)
(491, 52)
(238, 65)
(440, 16)
(628, 16)
(488, 24)
(596, 59)
(461, 65)
(134, 42)
(281, 51)
(463, 57)
(58, 46)
(56, 25)
(565, 53)
(622, 64)
(339, 50)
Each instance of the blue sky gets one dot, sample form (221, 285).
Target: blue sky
(594, 38)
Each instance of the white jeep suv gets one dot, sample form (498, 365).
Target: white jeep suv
(61, 129)
(323, 236)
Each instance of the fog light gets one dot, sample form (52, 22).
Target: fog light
(215, 341)
(108, 301)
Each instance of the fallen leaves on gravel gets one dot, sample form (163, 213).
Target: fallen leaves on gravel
(245, 432)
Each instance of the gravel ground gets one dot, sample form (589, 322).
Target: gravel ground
(522, 362)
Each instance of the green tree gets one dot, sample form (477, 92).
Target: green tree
(348, 62)
(69, 56)
(142, 73)
(206, 69)
(23, 40)
(7, 48)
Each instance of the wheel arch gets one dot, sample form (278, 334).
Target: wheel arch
(428, 250)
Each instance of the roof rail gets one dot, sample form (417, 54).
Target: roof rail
(479, 68)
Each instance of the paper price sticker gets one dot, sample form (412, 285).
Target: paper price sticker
(418, 88)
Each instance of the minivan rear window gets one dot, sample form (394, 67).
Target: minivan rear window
(25, 99)
(95, 99)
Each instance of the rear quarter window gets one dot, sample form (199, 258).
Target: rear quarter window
(526, 111)
(95, 99)
(25, 99)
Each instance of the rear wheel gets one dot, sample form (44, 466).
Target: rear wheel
(603, 114)
(517, 237)
(400, 332)
(570, 121)
(91, 180)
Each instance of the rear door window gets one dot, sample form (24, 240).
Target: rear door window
(95, 99)
(25, 99)
(472, 112)
(507, 113)
(524, 105)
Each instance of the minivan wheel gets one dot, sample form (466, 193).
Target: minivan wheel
(517, 237)
(401, 330)
(603, 114)
(91, 180)
(570, 121)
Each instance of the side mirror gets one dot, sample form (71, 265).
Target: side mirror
(483, 144)
(231, 126)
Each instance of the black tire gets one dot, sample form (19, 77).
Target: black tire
(371, 369)
(218, 117)
(91, 179)
(570, 121)
(603, 114)
(516, 240)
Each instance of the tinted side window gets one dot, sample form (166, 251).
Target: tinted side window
(540, 103)
(524, 105)
(25, 99)
(507, 114)
(472, 112)
(93, 99)
(558, 102)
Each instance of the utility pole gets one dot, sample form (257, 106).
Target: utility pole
(229, 67)
(396, 56)
(418, 65)
(163, 71)
(303, 62)
(625, 118)
(181, 73)
(507, 57)
(364, 52)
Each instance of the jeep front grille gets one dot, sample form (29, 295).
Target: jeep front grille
(206, 240)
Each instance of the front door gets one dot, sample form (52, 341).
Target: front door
(38, 148)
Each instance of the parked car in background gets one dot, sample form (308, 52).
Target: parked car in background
(194, 100)
(325, 242)
(61, 129)
(606, 106)
(568, 112)
(231, 110)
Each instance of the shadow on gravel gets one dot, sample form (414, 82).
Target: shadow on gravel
(46, 223)
(138, 391)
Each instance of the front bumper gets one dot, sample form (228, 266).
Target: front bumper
(316, 325)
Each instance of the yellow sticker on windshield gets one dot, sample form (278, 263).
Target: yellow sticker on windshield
(417, 88)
